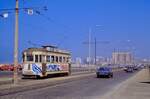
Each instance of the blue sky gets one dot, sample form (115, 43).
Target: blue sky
(66, 24)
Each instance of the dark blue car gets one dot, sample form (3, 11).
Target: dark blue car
(104, 72)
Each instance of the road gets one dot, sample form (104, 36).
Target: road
(9, 74)
(86, 88)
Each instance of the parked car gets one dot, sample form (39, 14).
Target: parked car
(6, 68)
(104, 72)
(9, 67)
(19, 66)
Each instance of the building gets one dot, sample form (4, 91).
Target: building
(78, 60)
(122, 58)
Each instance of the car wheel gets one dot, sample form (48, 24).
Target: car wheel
(98, 76)
(111, 76)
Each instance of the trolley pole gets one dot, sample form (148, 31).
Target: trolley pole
(15, 77)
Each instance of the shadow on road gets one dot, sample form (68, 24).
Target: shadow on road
(49, 76)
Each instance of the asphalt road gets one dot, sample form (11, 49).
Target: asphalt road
(9, 74)
(86, 88)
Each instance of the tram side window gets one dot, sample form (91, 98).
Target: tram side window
(23, 57)
(47, 58)
(60, 59)
(57, 59)
(64, 59)
(67, 60)
(40, 58)
(36, 58)
(29, 57)
(52, 59)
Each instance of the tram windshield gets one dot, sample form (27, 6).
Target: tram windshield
(30, 58)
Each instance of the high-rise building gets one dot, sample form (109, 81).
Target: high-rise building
(122, 58)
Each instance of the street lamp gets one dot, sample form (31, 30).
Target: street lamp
(4, 15)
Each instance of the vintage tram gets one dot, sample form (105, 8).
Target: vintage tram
(44, 61)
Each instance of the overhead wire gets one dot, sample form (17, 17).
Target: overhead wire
(62, 25)
(37, 10)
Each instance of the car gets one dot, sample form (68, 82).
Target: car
(104, 72)
(6, 68)
(129, 69)
(9, 67)
(125, 68)
(135, 68)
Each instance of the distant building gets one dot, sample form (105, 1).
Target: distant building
(78, 60)
(99, 60)
(122, 58)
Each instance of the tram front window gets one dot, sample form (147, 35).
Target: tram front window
(23, 56)
(30, 58)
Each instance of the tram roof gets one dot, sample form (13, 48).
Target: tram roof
(44, 49)
(51, 46)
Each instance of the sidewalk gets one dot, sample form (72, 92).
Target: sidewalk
(137, 87)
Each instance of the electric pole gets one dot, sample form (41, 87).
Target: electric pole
(89, 46)
(95, 51)
(17, 9)
(95, 42)
(15, 78)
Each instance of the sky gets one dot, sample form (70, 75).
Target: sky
(122, 23)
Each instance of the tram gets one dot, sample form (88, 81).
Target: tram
(44, 61)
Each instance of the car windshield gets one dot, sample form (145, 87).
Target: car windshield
(104, 69)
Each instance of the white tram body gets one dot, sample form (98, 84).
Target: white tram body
(41, 62)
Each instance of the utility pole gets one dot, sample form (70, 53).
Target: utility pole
(5, 15)
(95, 51)
(89, 46)
(15, 78)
